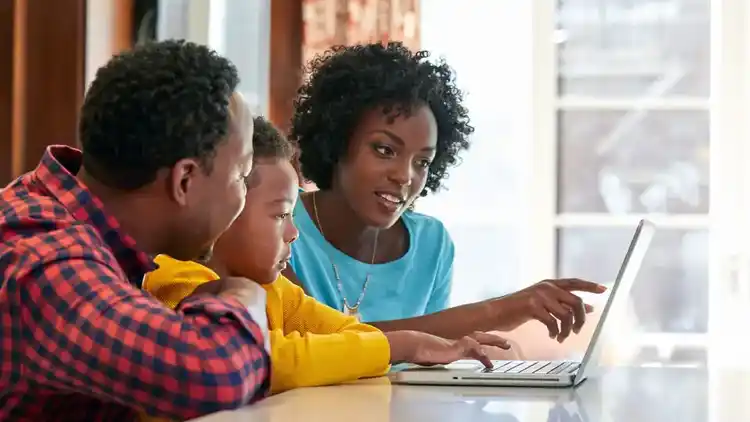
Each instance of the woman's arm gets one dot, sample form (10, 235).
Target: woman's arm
(550, 302)
(450, 323)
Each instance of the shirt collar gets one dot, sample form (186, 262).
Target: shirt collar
(56, 172)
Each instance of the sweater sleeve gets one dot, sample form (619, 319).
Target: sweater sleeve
(319, 345)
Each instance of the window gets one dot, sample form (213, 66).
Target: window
(484, 204)
(590, 115)
(633, 138)
(237, 29)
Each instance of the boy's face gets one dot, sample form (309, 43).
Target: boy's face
(258, 244)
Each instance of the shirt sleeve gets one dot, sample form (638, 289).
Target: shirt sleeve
(85, 330)
(319, 345)
(440, 296)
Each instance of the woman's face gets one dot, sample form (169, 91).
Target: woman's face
(385, 167)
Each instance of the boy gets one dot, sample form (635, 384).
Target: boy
(311, 343)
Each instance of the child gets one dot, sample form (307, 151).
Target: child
(311, 343)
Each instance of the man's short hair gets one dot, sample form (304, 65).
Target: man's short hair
(153, 106)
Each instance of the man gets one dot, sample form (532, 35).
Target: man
(166, 147)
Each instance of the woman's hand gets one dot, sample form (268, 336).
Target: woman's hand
(550, 302)
(426, 349)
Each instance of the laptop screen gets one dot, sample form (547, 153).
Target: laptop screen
(617, 300)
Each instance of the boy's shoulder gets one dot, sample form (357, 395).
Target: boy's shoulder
(281, 285)
(172, 273)
(171, 266)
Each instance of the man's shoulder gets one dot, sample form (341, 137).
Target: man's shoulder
(25, 213)
(39, 229)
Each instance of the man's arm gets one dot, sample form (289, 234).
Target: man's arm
(87, 331)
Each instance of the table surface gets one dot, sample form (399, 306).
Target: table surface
(616, 395)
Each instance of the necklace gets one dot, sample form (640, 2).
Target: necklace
(346, 308)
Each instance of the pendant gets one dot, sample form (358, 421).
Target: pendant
(352, 311)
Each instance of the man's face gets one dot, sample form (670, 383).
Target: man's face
(209, 201)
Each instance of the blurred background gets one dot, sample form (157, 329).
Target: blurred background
(589, 115)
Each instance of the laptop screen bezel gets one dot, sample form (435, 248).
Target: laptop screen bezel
(634, 256)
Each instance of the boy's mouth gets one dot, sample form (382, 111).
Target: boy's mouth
(284, 262)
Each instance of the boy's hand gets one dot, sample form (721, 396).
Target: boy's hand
(426, 349)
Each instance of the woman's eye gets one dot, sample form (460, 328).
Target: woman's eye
(423, 164)
(384, 150)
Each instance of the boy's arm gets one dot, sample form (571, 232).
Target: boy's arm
(319, 345)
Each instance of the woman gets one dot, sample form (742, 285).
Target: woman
(378, 126)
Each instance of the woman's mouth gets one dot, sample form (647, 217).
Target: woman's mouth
(390, 201)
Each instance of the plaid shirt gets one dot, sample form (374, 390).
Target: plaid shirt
(80, 341)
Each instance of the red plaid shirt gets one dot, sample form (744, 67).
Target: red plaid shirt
(80, 341)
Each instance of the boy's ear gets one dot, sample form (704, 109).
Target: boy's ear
(253, 180)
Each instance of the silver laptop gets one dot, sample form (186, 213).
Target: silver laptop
(538, 373)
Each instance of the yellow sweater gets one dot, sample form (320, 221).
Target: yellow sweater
(311, 343)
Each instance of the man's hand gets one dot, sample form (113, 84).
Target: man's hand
(549, 302)
(241, 289)
(426, 349)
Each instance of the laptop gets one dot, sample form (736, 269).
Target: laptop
(538, 373)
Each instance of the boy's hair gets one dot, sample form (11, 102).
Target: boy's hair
(268, 142)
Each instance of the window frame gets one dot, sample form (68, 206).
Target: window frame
(729, 256)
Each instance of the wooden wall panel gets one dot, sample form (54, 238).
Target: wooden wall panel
(286, 59)
(6, 89)
(46, 79)
(123, 22)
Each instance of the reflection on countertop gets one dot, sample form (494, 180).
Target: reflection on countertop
(618, 395)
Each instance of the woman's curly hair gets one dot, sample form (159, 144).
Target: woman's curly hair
(347, 81)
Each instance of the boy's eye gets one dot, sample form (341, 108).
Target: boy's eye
(284, 216)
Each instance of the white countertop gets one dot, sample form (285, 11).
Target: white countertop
(617, 395)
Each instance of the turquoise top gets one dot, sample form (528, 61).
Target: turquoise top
(416, 284)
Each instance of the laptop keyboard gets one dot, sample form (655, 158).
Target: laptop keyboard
(533, 367)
